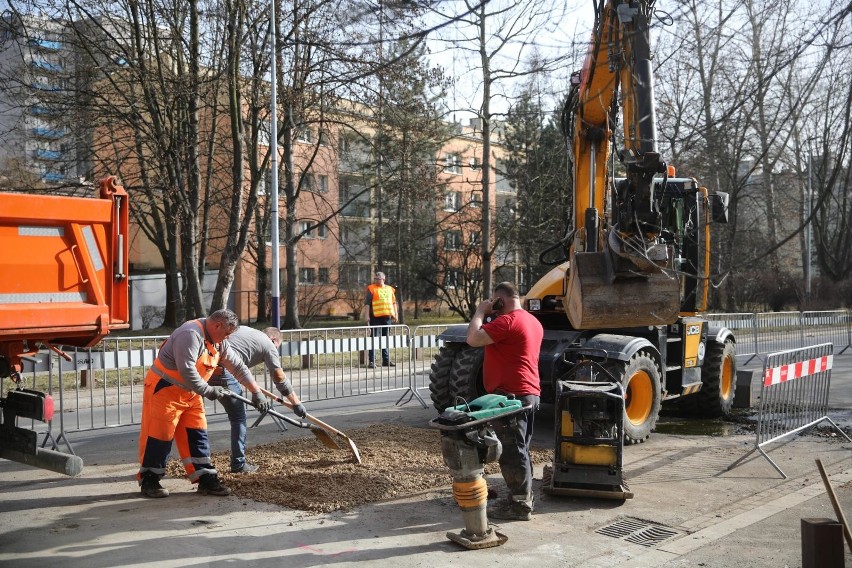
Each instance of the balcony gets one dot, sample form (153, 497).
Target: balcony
(45, 44)
(355, 161)
(43, 65)
(51, 133)
(42, 111)
(52, 177)
(44, 154)
(46, 87)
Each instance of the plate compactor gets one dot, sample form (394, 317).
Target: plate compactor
(468, 442)
(589, 431)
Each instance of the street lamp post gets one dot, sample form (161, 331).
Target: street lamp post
(809, 229)
(273, 165)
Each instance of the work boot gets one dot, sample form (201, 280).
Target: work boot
(151, 486)
(388, 364)
(245, 468)
(515, 508)
(371, 365)
(209, 484)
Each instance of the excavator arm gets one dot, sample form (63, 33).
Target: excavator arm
(618, 275)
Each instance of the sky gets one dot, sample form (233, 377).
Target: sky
(549, 36)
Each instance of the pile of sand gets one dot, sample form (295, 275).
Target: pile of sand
(303, 474)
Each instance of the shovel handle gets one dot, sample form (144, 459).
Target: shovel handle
(313, 419)
(272, 412)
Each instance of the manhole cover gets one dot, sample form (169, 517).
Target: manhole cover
(638, 531)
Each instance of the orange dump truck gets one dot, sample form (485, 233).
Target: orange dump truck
(63, 282)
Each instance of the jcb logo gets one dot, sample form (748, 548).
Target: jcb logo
(693, 330)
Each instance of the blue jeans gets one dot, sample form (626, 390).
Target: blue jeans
(515, 436)
(236, 410)
(379, 332)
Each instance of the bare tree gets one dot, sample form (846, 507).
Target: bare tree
(499, 36)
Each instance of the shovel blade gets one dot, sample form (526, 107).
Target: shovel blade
(325, 438)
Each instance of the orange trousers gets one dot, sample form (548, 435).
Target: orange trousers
(170, 413)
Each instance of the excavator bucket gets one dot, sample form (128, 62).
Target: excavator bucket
(600, 298)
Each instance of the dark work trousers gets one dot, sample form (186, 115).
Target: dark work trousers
(515, 436)
(236, 410)
(379, 329)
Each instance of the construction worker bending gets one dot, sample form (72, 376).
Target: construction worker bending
(253, 347)
(172, 408)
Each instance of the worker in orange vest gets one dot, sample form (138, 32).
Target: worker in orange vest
(172, 408)
(379, 313)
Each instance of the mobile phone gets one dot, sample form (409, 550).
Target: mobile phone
(497, 304)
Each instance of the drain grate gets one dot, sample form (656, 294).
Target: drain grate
(638, 531)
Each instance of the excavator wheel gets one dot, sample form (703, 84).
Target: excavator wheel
(719, 378)
(456, 375)
(642, 396)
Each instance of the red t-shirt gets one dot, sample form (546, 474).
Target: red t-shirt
(511, 362)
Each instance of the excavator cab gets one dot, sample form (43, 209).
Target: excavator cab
(654, 282)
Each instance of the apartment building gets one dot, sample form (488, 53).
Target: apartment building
(352, 222)
(350, 216)
(37, 69)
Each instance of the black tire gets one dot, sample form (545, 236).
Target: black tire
(456, 375)
(719, 380)
(641, 379)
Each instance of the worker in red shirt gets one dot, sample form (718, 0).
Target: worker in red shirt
(512, 342)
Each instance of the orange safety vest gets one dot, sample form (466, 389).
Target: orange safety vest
(206, 363)
(382, 300)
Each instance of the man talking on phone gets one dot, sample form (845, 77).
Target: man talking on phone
(512, 342)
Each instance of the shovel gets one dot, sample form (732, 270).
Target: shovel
(325, 427)
(321, 434)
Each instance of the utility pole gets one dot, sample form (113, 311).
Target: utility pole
(808, 234)
(273, 167)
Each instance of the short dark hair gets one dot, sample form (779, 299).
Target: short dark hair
(273, 333)
(227, 318)
(507, 288)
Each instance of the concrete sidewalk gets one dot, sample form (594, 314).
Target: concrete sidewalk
(707, 516)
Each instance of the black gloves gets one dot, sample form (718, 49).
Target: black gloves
(299, 410)
(284, 387)
(217, 393)
(260, 402)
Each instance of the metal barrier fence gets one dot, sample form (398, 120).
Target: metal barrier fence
(332, 362)
(758, 334)
(426, 345)
(744, 326)
(794, 396)
(102, 387)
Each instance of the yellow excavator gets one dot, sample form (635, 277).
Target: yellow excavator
(635, 272)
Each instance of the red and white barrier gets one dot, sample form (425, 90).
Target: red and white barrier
(794, 396)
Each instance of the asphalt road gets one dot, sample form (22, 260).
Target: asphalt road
(709, 516)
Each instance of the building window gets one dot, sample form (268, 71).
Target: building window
(476, 200)
(453, 240)
(305, 134)
(474, 238)
(323, 276)
(355, 276)
(451, 201)
(324, 137)
(451, 278)
(307, 229)
(452, 163)
(315, 183)
(306, 276)
(322, 183)
(322, 231)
